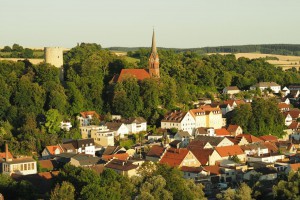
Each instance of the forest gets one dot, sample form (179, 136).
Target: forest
(33, 101)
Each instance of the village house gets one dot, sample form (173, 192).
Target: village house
(179, 157)
(283, 107)
(205, 131)
(265, 85)
(222, 132)
(86, 117)
(84, 146)
(231, 90)
(184, 137)
(155, 153)
(119, 128)
(83, 160)
(125, 168)
(135, 125)
(214, 141)
(293, 95)
(21, 166)
(194, 173)
(230, 105)
(263, 174)
(248, 137)
(227, 152)
(208, 117)
(65, 125)
(255, 149)
(234, 130)
(100, 134)
(178, 119)
(50, 151)
(285, 91)
(267, 158)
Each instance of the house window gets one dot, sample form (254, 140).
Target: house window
(32, 165)
(29, 167)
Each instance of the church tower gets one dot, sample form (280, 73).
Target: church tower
(153, 59)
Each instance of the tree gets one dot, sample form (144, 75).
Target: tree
(53, 120)
(288, 189)
(28, 53)
(65, 191)
(243, 192)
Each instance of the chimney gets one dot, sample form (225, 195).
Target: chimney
(6, 152)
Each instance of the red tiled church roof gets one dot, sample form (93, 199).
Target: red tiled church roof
(139, 74)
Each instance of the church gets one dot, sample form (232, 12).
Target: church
(141, 74)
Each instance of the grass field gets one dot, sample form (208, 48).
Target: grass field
(286, 62)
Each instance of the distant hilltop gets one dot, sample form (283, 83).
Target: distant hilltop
(281, 49)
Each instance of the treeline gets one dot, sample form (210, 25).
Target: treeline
(34, 101)
(281, 49)
(17, 51)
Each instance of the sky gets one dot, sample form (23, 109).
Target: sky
(129, 23)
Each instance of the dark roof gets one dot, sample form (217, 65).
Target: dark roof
(81, 142)
(113, 125)
(137, 120)
(68, 146)
(120, 165)
(184, 134)
(266, 170)
(112, 150)
(202, 131)
(214, 141)
(175, 143)
(86, 159)
(192, 169)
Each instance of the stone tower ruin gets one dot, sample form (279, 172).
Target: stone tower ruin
(54, 56)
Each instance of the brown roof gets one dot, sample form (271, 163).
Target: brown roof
(214, 141)
(266, 84)
(120, 165)
(294, 125)
(202, 131)
(121, 156)
(96, 168)
(283, 105)
(250, 138)
(156, 151)
(202, 155)
(111, 150)
(294, 113)
(113, 125)
(205, 109)
(271, 146)
(229, 150)
(175, 116)
(139, 74)
(137, 120)
(232, 128)
(174, 157)
(222, 132)
(213, 169)
(48, 164)
(270, 138)
(191, 169)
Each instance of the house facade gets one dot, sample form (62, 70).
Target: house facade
(178, 119)
(20, 166)
(265, 85)
(207, 116)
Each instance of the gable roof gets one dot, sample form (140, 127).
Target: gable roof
(176, 116)
(250, 138)
(214, 141)
(113, 150)
(205, 110)
(184, 134)
(232, 127)
(202, 155)
(295, 166)
(270, 138)
(81, 142)
(294, 125)
(229, 150)
(202, 131)
(137, 120)
(113, 125)
(174, 157)
(213, 169)
(139, 74)
(294, 113)
(52, 149)
(282, 105)
(121, 156)
(266, 84)
(84, 159)
(222, 132)
(156, 151)
(120, 165)
(91, 112)
(3, 155)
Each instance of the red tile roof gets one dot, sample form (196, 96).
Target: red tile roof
(271, 146)
(2, 155)
(92, 113)
(232, 128)
(52, 149)
(295, 166)
(222, 132)
(48, 164)
(174, 157)
(283, 105)
(250, 138)
(229, 150)
(121, 156)
(294, 113)
(202, 155)
(156, 151)
(213, 169)
(270, 138)
(139, 74)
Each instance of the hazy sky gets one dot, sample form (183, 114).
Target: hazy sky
(178, 23)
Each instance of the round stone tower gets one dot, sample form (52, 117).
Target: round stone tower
(54, 56)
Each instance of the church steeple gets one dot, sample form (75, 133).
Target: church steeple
(153, 59)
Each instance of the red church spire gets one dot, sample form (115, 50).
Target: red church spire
(153, 59)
